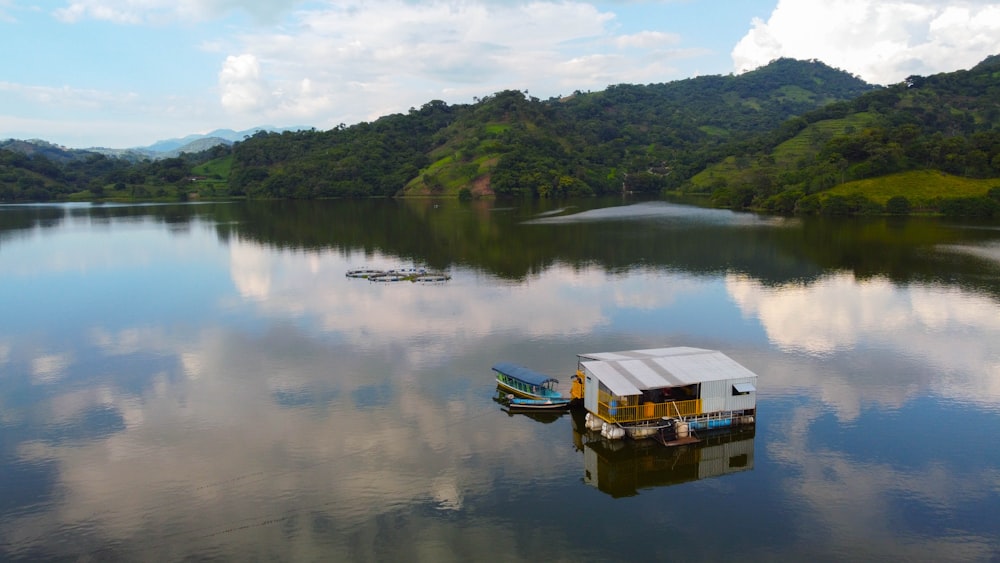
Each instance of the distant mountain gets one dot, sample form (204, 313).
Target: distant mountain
(200, 142)
(132, 155)
(38, 147)
(135, 154)
(195, 143)
(195, 146)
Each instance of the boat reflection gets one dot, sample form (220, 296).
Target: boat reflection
(544, 416)
(622, 468)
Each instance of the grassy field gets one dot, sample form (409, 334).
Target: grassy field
(919, 186)
(795, 93)
(446, 176)
(497, 128)
(215, 174)
(217, 169)
(807, 143)
(462, 163)
(213, 183)
(713, 131)
(718, 172)
(810, 139)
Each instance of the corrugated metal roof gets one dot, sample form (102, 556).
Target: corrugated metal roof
(615, 381)
(646, 374)
(639, 354)
(630, 372)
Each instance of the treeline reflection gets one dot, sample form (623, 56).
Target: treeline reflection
(518, 241)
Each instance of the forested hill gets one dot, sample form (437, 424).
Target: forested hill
(928, 140)
(790, 136)
(640, 138)
(645, 138)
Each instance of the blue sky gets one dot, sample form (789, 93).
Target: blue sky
(122, 73)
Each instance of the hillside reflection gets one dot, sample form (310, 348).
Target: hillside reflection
(614, 235)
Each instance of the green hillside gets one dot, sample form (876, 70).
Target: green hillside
(922, 187)
(793, 136)
(640, 138)
(948, 124)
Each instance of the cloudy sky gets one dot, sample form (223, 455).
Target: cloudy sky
(122, 73)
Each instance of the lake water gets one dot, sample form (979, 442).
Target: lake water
(203, 382)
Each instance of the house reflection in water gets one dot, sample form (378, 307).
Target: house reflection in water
(621, 468)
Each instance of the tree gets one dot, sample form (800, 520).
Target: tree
(994, 193)
(808, 205)
(784, 202)
(835, 205)
(898, 205)
(976, 207)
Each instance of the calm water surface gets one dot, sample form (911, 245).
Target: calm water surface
(203, 382)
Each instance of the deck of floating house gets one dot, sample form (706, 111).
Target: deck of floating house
(704, 388)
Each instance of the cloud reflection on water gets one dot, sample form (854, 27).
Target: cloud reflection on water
(563, 301)
(213, 451)
(945, 335)
(401, 437)
(857, 502)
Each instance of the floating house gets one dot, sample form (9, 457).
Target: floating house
(638, 393)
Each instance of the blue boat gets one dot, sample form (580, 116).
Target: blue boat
(528, 389)
(516, 403)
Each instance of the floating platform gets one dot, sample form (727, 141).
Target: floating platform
(678, 441)
(664, 393)
(364, 273)
(421, 275)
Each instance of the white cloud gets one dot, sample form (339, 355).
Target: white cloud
(165, 11)
(647, 40)
(72, 116)
(243, 88)
(5, 9)
(367, 59)
(883, 42)
(321, 63)
(77, 11)
(62, 96)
